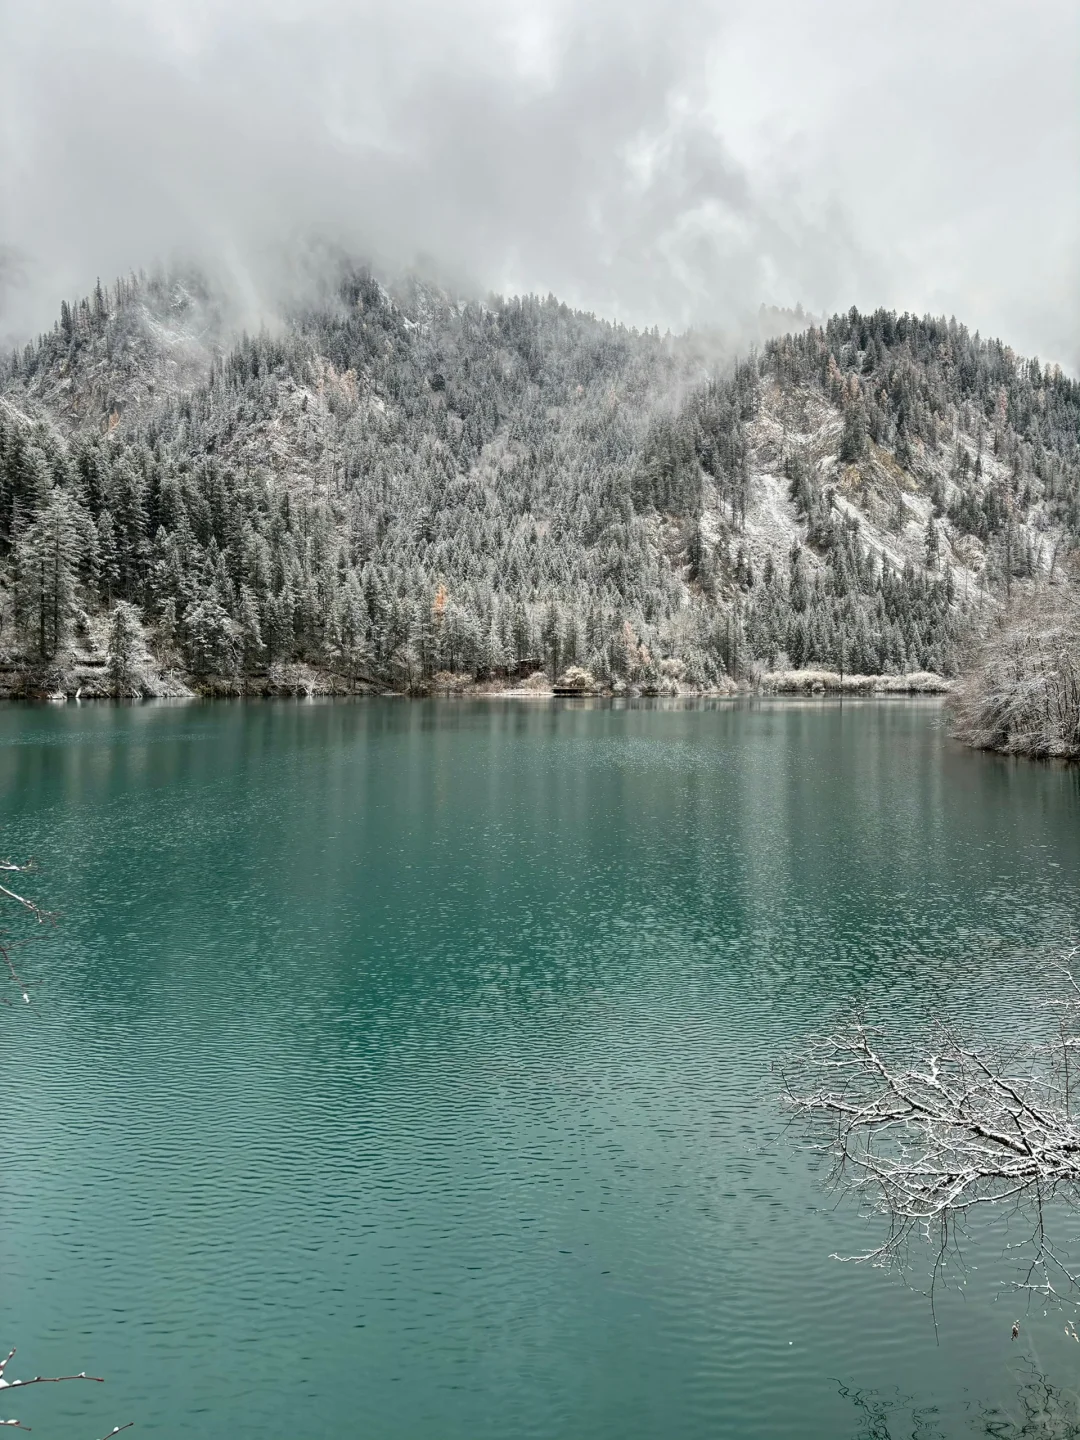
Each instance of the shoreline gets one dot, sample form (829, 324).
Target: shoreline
(303, 682)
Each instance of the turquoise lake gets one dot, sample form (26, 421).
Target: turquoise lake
(406, 1069)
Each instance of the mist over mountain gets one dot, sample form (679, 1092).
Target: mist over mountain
(675, 165)
(393, 487)
(658, 459)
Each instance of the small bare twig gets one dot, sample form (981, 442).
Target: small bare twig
(6, 1384)
(10, 868)
(28, 907)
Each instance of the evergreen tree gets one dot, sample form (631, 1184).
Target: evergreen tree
(212, 643)
(126, 654)
(932, 545)
(251, 641)
(49, 552)
(853, 438)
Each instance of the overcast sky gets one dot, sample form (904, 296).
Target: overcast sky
(661, 161)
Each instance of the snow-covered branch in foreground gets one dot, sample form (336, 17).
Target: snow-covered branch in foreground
(6, 1384)
(25, 908)
(926, 1143)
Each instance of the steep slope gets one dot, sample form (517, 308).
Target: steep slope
(116, 354)
(394, 486)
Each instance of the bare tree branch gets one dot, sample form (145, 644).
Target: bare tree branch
(8, 867)
(6, 1384)
(29, 908)
(925, 1144)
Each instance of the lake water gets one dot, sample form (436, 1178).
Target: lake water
(404, 1070)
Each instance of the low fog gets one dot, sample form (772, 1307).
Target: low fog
(674, 164)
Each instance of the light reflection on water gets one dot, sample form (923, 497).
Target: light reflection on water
(405, 1070)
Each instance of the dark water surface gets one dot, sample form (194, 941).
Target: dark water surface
(403, 1069)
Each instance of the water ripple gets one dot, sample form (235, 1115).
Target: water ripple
(407, 1070)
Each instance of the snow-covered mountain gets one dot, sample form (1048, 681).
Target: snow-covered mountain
(391, 486)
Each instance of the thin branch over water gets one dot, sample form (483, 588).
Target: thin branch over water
(925, 1143)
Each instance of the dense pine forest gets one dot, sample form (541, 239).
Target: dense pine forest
(385, 489)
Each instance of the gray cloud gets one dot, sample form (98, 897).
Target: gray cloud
(672, 163)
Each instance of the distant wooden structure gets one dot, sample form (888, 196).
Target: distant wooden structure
(574, 680)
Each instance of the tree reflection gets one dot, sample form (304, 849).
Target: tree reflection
(890, 1415)
(1039, 1409)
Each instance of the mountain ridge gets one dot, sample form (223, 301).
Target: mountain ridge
(395, 486)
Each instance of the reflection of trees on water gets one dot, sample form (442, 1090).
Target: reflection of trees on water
(1039, 1410)
(890, 1415)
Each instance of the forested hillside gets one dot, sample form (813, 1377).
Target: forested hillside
(386, 488)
